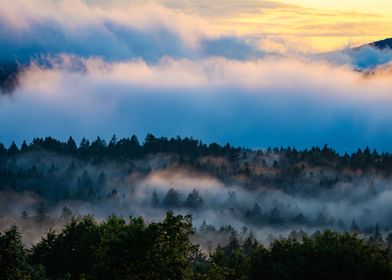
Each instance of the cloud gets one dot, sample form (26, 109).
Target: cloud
(124, 30)
(303, 28)
(258, 103)
(225, 8)
(116, 32)
(125, 67)
(364, 58)
(369, 57)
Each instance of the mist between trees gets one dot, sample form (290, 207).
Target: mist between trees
(269, 192)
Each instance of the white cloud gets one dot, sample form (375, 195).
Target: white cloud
(263, 102)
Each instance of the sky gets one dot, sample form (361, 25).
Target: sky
(253, 73)
(312, 25)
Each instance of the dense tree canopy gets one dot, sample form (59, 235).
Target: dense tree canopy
(134, 249)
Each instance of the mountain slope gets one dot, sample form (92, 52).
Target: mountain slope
(382, 44)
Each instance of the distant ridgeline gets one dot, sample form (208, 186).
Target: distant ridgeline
(189, 149)
(383, 44)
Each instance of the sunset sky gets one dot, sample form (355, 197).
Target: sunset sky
(253, 73)
(311, 25)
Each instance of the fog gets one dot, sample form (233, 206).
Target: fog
(258, 103)
(319, 198)
(161, 65)
(86, 69)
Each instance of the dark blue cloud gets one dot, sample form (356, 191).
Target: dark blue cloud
(363, 58)
(369, 57)
(230, 47)
(112, 42)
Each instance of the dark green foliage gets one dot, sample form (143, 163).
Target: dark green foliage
(13, 149)
(119, 249)
(72, 251)
(124, 148)
(326, 256)
(275, 216)
(85, 187)
(140, 251)
(13, 259)
(70, 146)
(129, 148)
(233, 260)
(172, 199)
(255, 214)
(116, 249)
(194, 200)
(291, 172)
(155, 200)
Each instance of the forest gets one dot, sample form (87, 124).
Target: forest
(176, 208)
(132, 249)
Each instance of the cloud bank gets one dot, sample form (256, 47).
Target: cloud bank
(116, 32)
(255, 103)
(104, 68)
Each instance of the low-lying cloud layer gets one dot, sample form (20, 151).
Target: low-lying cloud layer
(258, 103)
(46, 182)
(96, 69)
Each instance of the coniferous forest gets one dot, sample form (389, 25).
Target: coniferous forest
(282, 167)
(180, 209)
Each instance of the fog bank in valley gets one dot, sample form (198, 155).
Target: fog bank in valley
(260, 191)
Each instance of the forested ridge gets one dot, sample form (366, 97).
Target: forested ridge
(190, 149)
(58, 172)
(231, 212)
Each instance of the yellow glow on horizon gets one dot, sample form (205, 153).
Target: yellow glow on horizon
(370, 6)
(318, 30)
(312, 25)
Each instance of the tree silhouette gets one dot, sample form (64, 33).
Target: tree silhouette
(172, 199)
(155, 200)
(194, 200)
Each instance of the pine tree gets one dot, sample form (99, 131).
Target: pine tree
(155, 200)
(194, 200)
(172, 199)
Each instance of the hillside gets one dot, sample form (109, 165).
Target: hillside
(382, 44)
(270, 191)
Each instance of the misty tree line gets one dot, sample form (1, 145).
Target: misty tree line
(71, 172)
(288, 171)
(133, 249)
(83, 177)
(291, 165)
(189, 149)
(254, 216)
(120, 149)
